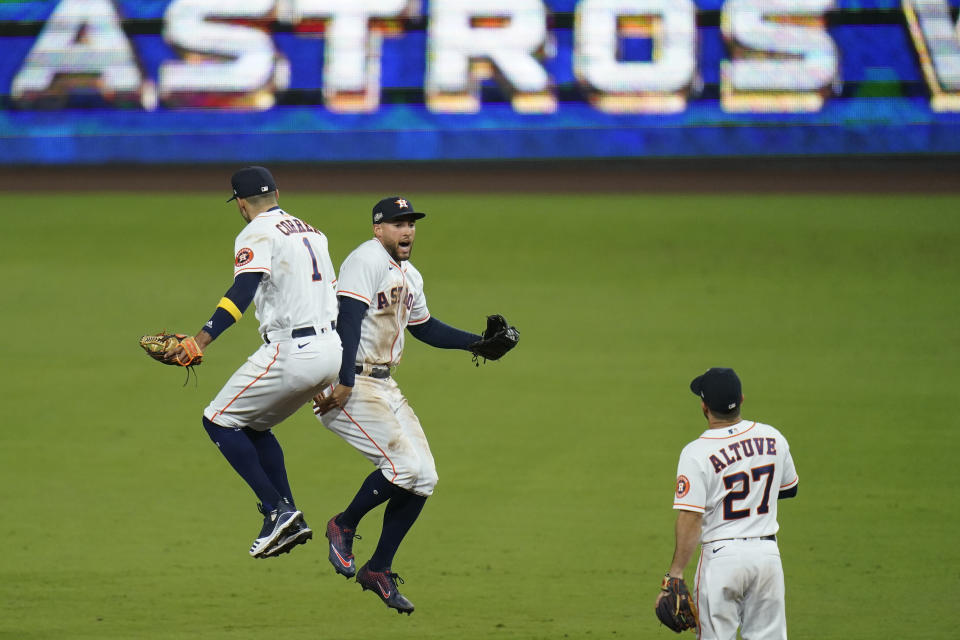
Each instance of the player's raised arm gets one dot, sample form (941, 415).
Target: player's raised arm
(442, 336)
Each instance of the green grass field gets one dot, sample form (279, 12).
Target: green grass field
(553, 514)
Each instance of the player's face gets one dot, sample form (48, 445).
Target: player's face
(396, 236)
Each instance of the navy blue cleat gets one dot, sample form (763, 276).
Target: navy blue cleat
(276, 524)
(384, 584)
(297, 534)
(341, 548)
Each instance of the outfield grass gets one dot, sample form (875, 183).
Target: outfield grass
(552, 518)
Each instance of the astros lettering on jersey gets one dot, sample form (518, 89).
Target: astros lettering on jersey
(394, 295)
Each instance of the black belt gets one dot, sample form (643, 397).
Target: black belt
(303, 332)
(375, 372)
(771, 538)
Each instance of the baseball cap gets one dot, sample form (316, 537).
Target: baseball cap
(251, 181)
(719, 388)
(394, 207)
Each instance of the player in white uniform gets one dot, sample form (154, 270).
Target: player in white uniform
(283, 266)
(728, 484)
(381, 295)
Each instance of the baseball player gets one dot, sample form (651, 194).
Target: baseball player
(283, 266)
(728, 483)
(381, 294)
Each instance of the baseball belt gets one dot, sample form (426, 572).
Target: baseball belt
(771, 538)
(301, 332)
(372, 370)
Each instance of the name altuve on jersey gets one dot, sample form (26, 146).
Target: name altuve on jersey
(748, 447)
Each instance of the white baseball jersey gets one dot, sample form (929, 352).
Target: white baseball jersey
(296, 292)
(733, 476)
(298, 286)
(394, 295)
(377, 419)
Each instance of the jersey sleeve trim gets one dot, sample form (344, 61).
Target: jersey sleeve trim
(252, 269)
(355, 296)
(418, 321)
(796, 480)
(688, 507)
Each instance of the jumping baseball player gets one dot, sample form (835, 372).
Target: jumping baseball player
(728, 483)
(381, 294)
(282, 265)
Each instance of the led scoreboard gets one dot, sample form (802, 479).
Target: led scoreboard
(175, 81)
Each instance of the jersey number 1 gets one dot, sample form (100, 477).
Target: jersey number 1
(741, 478)
(313, 258)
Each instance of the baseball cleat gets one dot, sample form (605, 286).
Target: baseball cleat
(276, 523)
(384, 584)
(341, 548)
(298, 533)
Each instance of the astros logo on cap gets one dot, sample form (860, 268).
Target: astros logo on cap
(402, 204)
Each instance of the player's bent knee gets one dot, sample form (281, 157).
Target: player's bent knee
(426, 481)
(405, 478)
(415, 477)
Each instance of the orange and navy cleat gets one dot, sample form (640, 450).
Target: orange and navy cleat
(384, 584)
(341, 548)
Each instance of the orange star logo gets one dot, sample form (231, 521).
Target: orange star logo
(403, 204)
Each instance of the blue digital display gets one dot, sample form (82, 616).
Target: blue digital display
(115, 81)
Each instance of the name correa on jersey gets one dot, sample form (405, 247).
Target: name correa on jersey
(293, 225)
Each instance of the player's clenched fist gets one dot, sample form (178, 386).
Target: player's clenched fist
(337, 399)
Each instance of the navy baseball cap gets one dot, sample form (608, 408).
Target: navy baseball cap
(719, 388)
(394, 207)
(251, 181)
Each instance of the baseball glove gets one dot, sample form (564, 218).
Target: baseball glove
(160, 345)
(498, 338)
(676, 609)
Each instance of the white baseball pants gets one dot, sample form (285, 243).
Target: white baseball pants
(740, 584)
(379, 423)
(279, 378)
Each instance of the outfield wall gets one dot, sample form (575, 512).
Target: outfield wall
(780, 175)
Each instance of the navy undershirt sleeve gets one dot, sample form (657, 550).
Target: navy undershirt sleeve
(789, 493)
(443, 336)
(348, 326)
(244, 286)
(241, 294)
